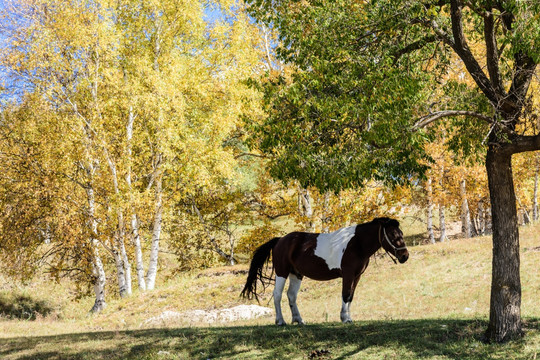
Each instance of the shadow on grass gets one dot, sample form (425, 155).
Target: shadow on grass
(17, 306)
(400, 339)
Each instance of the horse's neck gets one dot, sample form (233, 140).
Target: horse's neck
(370, 241)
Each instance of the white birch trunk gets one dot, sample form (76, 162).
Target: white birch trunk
(481, 218)
(121, 259)
(123, 253)
(442, 209)
(139, 264)
(465, 214)
(442, 223)
(525, 219)
(307, 208)
(232, 243)
(535, 192)
(156, 234)
(98, 271)
(138, 252)
(120, 274)
(326, 213)
(158, 205)
(429, 190)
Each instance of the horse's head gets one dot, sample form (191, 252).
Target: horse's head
(391, 238)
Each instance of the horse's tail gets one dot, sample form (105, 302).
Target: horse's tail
(260, 257)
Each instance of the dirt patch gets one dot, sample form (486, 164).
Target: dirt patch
(240, 312)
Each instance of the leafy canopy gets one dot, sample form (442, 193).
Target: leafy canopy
(362, 73)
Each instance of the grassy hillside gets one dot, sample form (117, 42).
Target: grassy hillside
(435, 306)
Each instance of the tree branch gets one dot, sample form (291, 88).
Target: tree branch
(524, 68)
(445, 37)
(428, 119)
(414, 46)
(492, 56)
(250, 154)
(524, 143)
(464, 52)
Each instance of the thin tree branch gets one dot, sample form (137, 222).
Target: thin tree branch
(428, 119)
(250, 154)
(414, 46)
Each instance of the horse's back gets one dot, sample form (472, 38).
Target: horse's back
(295, 253)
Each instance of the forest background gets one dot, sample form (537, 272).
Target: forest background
(131, 129)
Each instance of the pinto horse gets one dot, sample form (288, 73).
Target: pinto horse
(343, 253)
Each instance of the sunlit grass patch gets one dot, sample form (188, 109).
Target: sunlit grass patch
(435, 306)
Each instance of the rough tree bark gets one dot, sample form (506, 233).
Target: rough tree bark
(504, 141)
(505, 309)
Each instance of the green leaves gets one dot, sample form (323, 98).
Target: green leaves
(343, 115)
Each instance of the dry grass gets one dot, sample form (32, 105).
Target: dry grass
(434, 306)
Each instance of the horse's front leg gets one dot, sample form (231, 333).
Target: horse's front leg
(278, 290)
(292, 292)
(347, 294)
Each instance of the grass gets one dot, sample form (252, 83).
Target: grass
(395, 339)
(435, 306)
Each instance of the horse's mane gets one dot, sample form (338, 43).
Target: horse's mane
(385, 221)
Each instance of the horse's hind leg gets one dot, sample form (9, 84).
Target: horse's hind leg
(278, 290)
(292, 292)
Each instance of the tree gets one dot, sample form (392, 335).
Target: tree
(364, 80)
(122, 108)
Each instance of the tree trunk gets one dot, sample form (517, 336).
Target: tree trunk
(156, 234)
(120, 274)
(525, 218)
(158, 205)
(481, 218)
(505, 302)
(306, 208)
(442, 217)
(429, 191)
(442, 223)
(325, 221)
(535, 193)
(139, 264)
(98, 271)
(123, 253)
(465, 214)
(123, 266)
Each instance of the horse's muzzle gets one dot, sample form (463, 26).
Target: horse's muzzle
(403, 258)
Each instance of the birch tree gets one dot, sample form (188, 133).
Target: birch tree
(139, 100)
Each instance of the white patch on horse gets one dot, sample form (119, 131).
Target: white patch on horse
(330, 247)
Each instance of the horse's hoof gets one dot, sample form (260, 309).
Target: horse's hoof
(347, 321)
(298, 321)
(280, 323)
